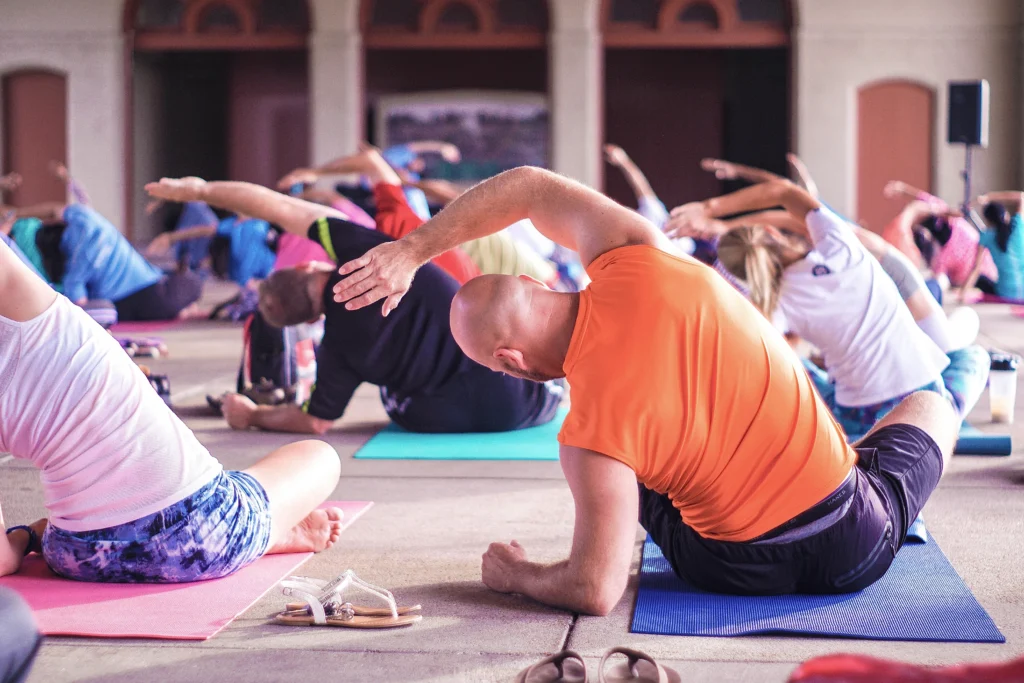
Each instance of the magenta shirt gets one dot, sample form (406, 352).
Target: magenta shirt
(957, 257)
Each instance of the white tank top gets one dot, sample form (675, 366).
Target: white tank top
(74, 404)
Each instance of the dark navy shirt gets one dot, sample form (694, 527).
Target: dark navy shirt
(410, 352)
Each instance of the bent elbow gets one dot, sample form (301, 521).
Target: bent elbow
(603, 598)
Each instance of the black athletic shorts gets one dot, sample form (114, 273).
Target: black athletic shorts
(898, 468)
(476, 400)
(163, 300)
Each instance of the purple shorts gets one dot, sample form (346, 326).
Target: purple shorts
(898, 468)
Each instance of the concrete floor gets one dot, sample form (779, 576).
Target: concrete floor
(431, 522)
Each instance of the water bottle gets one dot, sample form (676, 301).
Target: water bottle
(1002, 387)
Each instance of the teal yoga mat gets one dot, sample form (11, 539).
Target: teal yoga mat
(534, 443)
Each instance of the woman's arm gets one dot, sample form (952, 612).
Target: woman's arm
(803, 174)
(726, 170)
(163, 242)
(1012, 198)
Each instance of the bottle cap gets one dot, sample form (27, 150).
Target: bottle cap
(1004, 362)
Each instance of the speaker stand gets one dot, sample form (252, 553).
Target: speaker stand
(966, 175)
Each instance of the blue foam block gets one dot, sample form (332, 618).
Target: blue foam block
(921, 597)
(534, 443)
(975, 442)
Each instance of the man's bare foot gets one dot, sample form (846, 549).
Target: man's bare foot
(318, 531)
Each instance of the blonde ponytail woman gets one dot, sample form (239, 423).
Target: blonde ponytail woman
(835, 294)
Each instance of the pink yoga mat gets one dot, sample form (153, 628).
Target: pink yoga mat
(186, 611)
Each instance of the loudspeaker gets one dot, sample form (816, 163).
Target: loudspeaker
(968, 113)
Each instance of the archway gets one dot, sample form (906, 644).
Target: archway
(34, 133)
(454, 68)
(687, 79)
(219, 89)
(895, 135)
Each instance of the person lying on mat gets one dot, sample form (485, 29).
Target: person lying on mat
(1003, 240)
(746, 481)
(87, 256)
(834, 294)
(427, 384)
(132, 495)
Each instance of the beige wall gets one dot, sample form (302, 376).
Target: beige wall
(82, 39)
(841, 46)
(336, 79)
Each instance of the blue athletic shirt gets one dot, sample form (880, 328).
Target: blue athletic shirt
(1009, 263)
(251, 255)
(100, 262)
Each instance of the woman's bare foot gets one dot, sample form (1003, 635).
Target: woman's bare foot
(318, 531)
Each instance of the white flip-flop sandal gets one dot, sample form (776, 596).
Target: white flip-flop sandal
(325, 604)
(640, 668)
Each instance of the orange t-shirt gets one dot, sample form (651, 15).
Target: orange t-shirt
(676, 375)
(396, 220)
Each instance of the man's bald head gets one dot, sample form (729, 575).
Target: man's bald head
(497, 322)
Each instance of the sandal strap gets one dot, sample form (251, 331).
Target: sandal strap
(328, 596)
(558, 660)
(634, 656)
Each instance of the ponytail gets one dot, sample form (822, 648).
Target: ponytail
(752, 255)
(997, 216)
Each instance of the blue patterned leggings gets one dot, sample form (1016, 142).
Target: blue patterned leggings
(963, 382)
(216, 531)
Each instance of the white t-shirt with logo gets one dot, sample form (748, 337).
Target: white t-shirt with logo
(839, 299)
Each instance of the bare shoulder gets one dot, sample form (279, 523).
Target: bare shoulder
(23, 294)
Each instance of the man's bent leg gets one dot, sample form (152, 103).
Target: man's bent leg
(298, 478)
(19, 639)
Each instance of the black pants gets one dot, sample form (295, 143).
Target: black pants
(478, 400)
(898, 468)
(19, 639)
(163, 300)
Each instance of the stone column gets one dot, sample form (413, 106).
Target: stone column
(335, 79)
(576, 90)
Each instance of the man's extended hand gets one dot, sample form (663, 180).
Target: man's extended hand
(181, 190)
(500, 564)
(238, 411)
(384, 272)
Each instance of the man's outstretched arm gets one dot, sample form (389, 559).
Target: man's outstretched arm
(292, 214)
(563, 210)
(594, 577)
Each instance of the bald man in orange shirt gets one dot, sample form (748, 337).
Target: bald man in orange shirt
(745, 480)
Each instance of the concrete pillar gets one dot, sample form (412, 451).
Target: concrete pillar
(336, 79)
(576, 89)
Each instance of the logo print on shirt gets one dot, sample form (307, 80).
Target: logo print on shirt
(820, 270)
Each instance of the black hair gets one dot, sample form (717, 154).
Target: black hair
(924, 245)
(48, 240)
(220, 255)
(998, 217)
(939, 228)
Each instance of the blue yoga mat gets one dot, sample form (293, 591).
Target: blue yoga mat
(534, 443)
(921, 597)
(975, 442)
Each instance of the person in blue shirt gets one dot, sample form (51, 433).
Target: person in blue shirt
(242, 249)
(1003, 238)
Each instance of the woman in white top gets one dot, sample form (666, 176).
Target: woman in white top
(131, 493)
(835, 294)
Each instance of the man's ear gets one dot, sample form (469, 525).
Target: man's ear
(533, 280)
(512, 357)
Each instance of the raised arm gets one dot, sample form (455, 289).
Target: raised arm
(162, 243)
(726, 170)
(618, 158)
(563, 210)
(594, 577)
(438, 191)
(896, 189)
(366, 162)
(1013, 199)
(73, 188)
(447, 150)
(294, 215)
(794, 199)
(803, 174)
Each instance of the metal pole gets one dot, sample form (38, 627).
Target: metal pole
(967, 179)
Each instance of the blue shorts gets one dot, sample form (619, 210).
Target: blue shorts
(216, 531)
